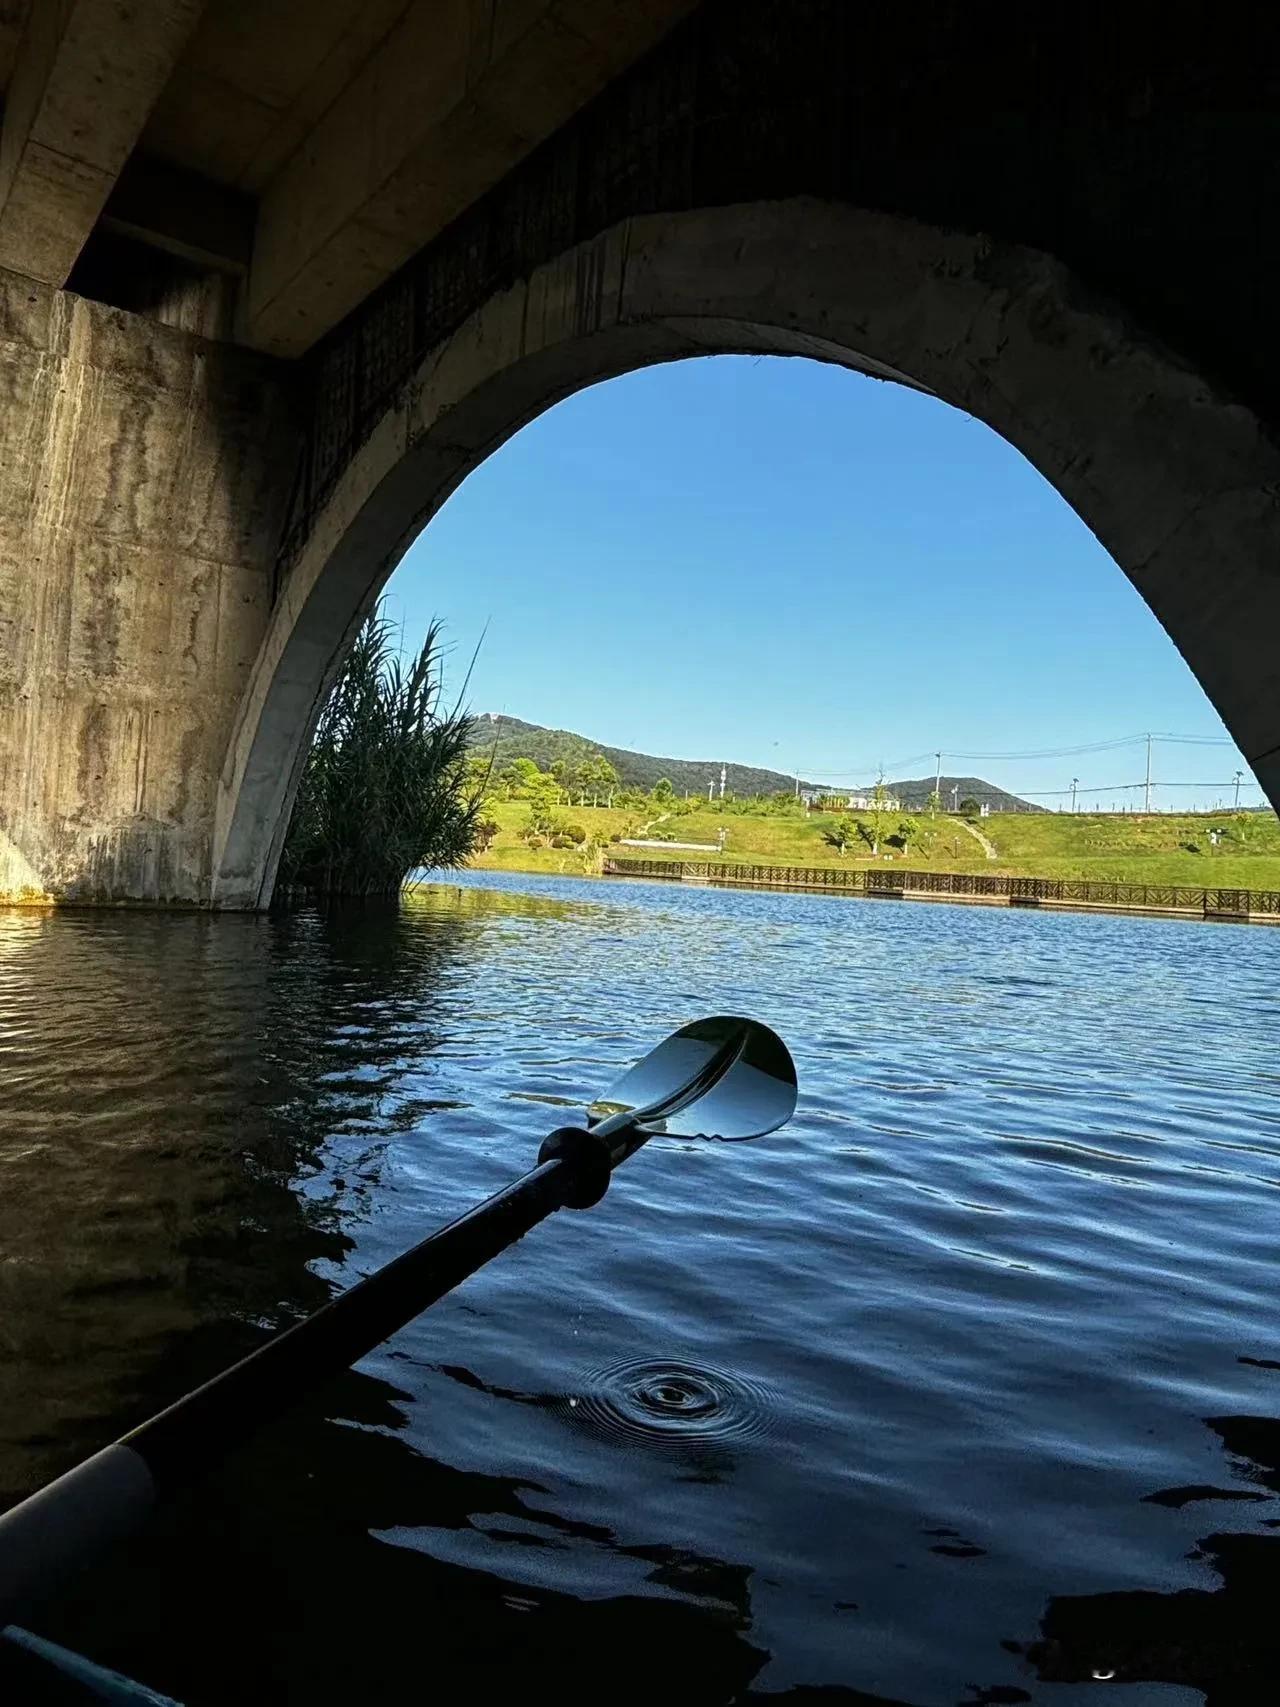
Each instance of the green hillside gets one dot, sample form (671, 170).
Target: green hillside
(510, 738)
(915, 793)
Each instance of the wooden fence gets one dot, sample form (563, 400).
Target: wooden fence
(1255, 905)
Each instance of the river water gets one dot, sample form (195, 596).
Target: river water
(962, 1389)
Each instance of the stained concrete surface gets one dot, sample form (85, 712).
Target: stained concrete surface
(142, 477)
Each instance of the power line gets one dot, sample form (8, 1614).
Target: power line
(1099, 788)
(855, 769)
(1055, 752)
(1124, 788)
(1101, 746)
(1193, 740)
(1114, 745)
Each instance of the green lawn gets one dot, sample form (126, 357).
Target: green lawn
(1153, 849)
(509, 853)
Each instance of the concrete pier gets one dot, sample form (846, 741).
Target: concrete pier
(143, 477)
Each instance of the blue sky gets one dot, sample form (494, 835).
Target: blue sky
(780, 563)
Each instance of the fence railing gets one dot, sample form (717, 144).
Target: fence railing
(1015, 891)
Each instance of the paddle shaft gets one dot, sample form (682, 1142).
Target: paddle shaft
(110, 1495)
(181, 1441)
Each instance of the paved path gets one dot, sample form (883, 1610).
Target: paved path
(976, 833)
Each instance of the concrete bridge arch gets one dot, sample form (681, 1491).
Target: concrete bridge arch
(1179, 482)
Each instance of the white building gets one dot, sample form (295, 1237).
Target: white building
(851, 802)
(869, 803)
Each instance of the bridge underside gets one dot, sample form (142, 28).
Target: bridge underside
(278, 277)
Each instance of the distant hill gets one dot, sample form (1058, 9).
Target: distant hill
(915, 793)
(510, 738)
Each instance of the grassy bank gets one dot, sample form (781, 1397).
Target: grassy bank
(1155, 849)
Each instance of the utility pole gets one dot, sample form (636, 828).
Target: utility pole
(937, 781)
(722, 770)
(1239, 775)
(1147, 796)
(955, 790)
(1075, 783)
(711, 790)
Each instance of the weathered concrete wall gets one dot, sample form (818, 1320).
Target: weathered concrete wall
(1140, 148)
(143, 473)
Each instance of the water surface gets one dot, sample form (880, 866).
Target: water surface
(963, 1389)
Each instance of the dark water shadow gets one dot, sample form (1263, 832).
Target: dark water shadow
(293, 1555)
(151, 1217)
(1224, 1642)
(290, 1575)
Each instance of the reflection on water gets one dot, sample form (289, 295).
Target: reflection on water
(1223, 1642)
(961, 1390)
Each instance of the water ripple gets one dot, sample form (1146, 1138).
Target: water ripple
(672, 1404)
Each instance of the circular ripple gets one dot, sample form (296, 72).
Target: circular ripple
(671, 1404)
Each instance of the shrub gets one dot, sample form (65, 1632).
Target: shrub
(385, 788)
(840, 835)
(592, 856)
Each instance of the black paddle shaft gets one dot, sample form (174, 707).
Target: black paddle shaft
(108, 1496)
(184, 1440)
(724, 1077)
(574, 1168)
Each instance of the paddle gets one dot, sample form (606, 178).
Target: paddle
(722, 1077)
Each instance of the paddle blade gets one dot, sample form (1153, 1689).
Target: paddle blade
(722, 1077)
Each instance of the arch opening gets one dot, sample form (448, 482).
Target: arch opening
(1177, 483)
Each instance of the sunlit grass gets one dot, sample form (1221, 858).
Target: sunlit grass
(1132, 849)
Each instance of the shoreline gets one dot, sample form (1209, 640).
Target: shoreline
(1049, 894)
